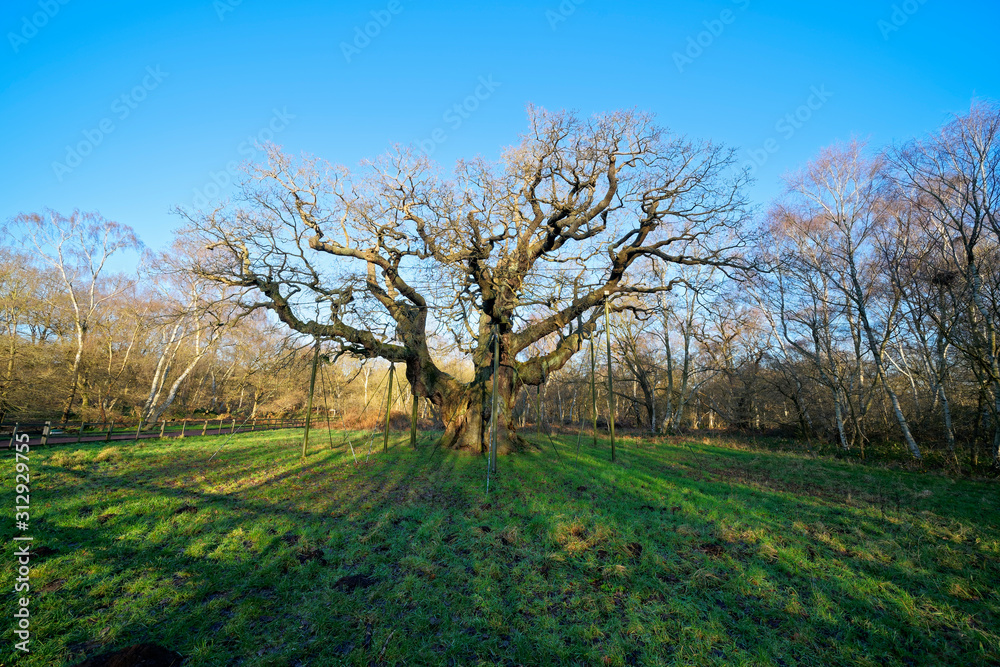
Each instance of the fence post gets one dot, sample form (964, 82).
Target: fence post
(204, 429)
(107, 438)
(163, 425)
(79, 437)
(183, 427)
(45, 433)
(137, 430)
(253, 426)
(233, 430)
(220, 426)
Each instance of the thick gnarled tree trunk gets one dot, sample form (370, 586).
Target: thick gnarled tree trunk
(464, 425)
(466, 408)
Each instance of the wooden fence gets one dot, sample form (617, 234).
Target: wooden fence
(50, 433)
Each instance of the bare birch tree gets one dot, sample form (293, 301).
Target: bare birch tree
(77, 249)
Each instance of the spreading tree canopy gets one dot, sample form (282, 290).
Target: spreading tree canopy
(527, 249)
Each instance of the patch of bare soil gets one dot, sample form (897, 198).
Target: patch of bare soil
(140, 655)
(712, 550)
(350, 582)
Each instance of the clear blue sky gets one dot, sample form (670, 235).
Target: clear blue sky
(199, 77)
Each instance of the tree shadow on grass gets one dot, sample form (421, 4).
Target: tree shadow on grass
(779, 592)
(141, 531)
(567, 561)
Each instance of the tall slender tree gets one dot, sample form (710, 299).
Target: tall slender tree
(77, 248)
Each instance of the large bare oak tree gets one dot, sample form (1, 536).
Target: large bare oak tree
(527, 249)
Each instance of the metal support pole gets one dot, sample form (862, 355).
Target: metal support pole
(413, 421)
(494, 416)
(326, 407)
(611, 389)
(538, 408)
(309, 401)
(593, 388)
(388, 409)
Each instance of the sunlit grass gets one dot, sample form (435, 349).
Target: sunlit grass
(677, 554)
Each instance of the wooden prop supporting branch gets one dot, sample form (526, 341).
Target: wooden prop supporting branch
(390, 402)
(388, 408)
(309, 403)
(493, 410)
(413, 419)
(611, 392)
(538, 409)
(593, 388)
(326, 407)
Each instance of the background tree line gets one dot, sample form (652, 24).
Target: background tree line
(869, 325)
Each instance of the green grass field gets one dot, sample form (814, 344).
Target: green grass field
(687, 554)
